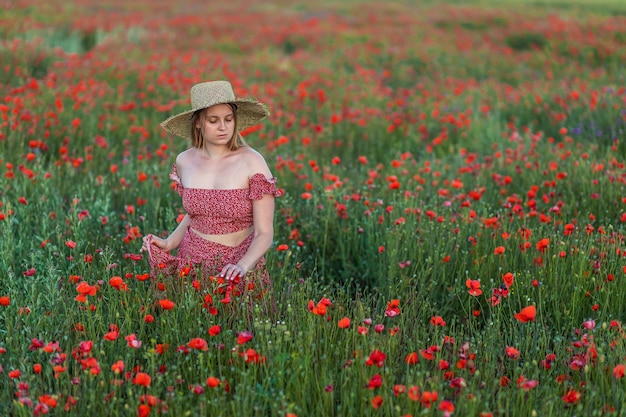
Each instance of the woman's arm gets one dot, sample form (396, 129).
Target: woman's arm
(263, 215)
(172, 241)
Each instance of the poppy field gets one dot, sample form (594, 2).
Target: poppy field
(450, 239)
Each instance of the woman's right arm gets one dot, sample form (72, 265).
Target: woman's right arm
(172, 241)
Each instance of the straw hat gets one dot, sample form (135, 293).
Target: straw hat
(249, 111)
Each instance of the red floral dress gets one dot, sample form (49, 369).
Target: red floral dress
(213, 211)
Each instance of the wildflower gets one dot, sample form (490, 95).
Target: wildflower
(377, 401)
(244, 337)
(70, 244)
(446, 406)
(251, 356)
(399, 389)
(619, 370)
(5, 301)
(131, 341)
(142, 379)
(214, 330)
(572, 396)
(118, 367)
(411, 358)
(393, 308)
(542, 244)
(512, 352)
(547, 362)
(589, 324)
(375, 382)
(526, 384)
(508, 279)
(212, 382)
(499, 250)
(118, 283)
(437, 321)
(319, 309)
(376, 358)
(166, 304)
(344, 323)
(85, 290)
(429, 352)
(474, 287)
(414, 393)
(428, 398)
(198, 343)
(526, 314)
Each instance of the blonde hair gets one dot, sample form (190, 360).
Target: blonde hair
(197, 140)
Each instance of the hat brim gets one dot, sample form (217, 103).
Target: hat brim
(249, 113)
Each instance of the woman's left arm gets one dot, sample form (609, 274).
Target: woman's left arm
(263, 218)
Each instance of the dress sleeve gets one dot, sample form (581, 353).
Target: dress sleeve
(259, 185)
(177, 185)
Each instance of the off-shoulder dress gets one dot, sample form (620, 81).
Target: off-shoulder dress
(213, 211)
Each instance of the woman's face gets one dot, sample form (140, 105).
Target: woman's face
(217, 124)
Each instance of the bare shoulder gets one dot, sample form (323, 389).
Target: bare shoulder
(183, 157)
(255, 162)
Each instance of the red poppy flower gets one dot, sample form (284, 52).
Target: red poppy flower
(112, 334)
(414, 393)
(5, 300)
(212, 382)
(474, 287)
(527, 314)
(619, 370)
(399, 389)
(411, 358)
(376, 358)
(166, 304)
(428, 398)
(437, 321)
(198, 343)
(393, 308)
(132, 341)
(375, 382)
(142, 379)
(377, 401)
(446, 406)
(508, 279)
(244, 337)
(512, 352)
(526, 384)
(572, 396)
(118, 367)
(214, 330)
(344, 323)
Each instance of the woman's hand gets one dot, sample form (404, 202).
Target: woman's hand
(157, 241)
(232, 271)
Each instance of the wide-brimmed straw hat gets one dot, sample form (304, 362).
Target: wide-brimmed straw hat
(249, 111)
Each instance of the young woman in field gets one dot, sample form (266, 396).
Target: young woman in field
(227, 191)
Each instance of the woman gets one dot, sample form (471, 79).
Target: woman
(227, 191)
